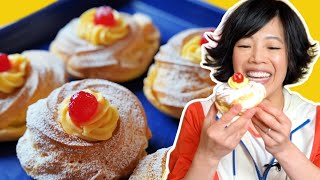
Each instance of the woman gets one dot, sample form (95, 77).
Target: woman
(280, 138)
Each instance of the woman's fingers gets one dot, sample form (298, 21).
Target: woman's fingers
(243, 120)
(240, 126)
(264, 130)
(273, 126)
(210, 117)
(280, 117)
(227, 117)
(227, 136)
(257, 122)
(265, 134)
(267, 119)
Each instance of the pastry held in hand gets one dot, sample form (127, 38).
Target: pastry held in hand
(238, 90)
(24, 79)
(106, 44)
(89, 129)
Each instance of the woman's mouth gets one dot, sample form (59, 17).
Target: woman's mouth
(258, 76)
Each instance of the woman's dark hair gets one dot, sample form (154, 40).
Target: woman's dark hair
(249, 18)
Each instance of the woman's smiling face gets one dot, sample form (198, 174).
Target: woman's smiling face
(263, 58)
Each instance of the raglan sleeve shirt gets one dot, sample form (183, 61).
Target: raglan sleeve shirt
(189, 136)
(187, 143)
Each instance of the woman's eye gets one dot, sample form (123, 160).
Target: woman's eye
(273, 48)
(244, 46)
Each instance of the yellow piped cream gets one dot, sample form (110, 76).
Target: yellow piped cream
(101, 125)
(15, 77)
(235, 85)
(99, 34)
(192, 50)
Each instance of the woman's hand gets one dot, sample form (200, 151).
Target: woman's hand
(219, 138)
(274, 127)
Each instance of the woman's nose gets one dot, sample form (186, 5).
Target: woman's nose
(257, 55)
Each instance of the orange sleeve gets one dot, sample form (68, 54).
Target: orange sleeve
(187, 143)
(315, 154)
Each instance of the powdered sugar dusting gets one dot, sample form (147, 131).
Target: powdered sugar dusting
(71, 157)
(178, 80)
(170, 52)
(46, 73)
(151, 167)
(131, 53)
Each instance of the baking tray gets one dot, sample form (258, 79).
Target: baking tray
(38, 30)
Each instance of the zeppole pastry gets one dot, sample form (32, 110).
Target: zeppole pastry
(106, 44)
(238, 90)
(176, 76)
(89, 129)
(24, 79)
(151, 167)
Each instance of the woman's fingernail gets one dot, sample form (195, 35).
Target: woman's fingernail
(237, 107)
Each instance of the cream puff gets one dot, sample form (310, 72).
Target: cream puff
(176, 76)
(89, 129)
(107, 44)
(24, 79)
(151, 167)
(238, 90)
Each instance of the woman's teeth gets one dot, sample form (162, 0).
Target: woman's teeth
(252, 74)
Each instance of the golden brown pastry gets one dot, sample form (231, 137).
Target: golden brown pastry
(89, 129)
(152, 166)
(119, 49)
(24, 79)
(176, 76)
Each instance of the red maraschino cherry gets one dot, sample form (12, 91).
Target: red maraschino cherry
(82, 107)
(238, 77)
(5, 64)
(203, 40)
(104, 16)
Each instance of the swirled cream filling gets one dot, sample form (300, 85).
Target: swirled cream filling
(99, 127)
(192, 50)
(99, 34)
(15, 77)
(236, 85)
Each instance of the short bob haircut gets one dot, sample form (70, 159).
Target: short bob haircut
(249, 18)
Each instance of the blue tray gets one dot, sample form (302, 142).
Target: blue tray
(38, 29)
